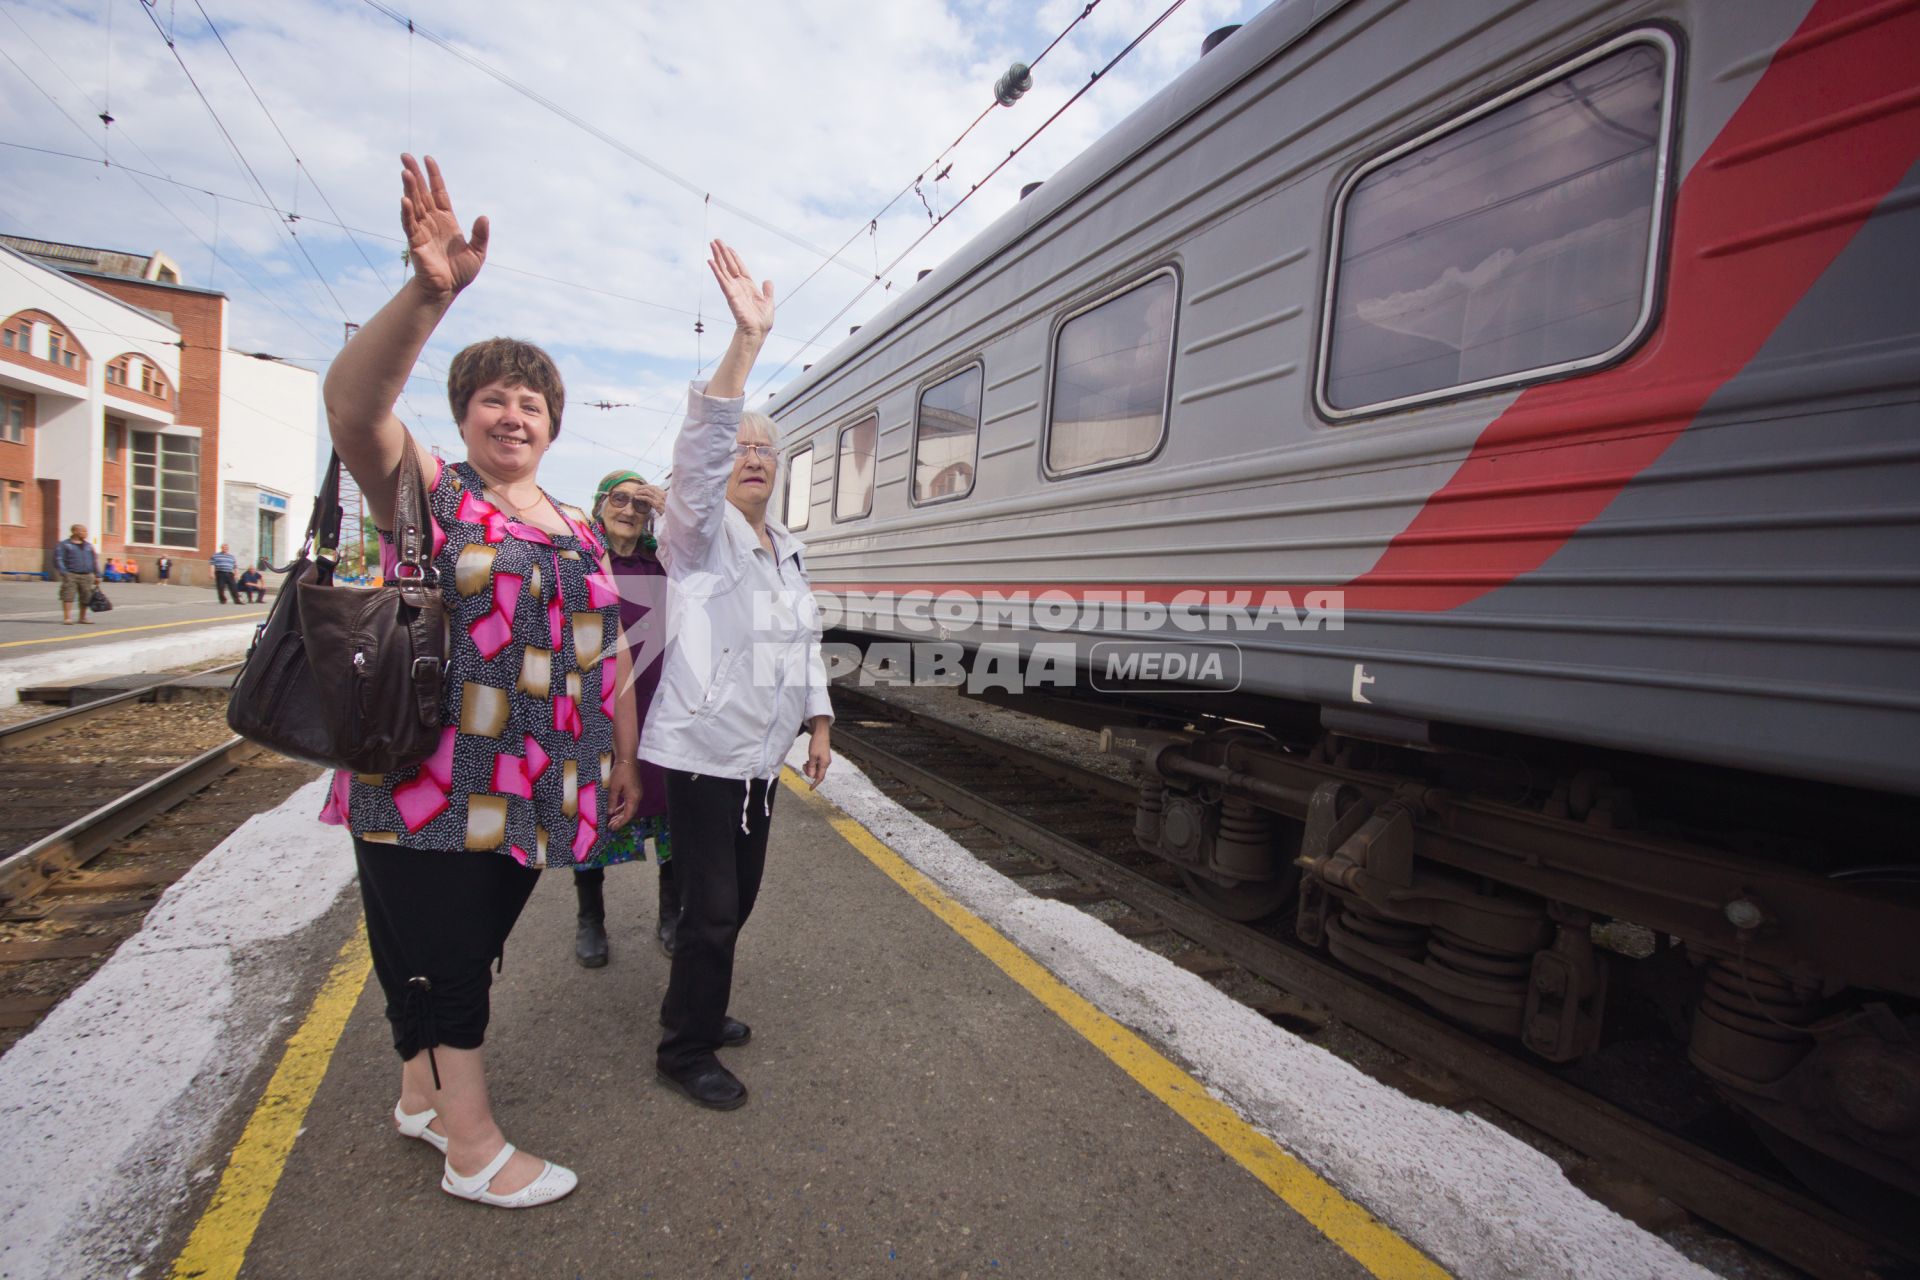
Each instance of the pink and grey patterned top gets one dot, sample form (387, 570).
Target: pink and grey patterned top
(529, 693)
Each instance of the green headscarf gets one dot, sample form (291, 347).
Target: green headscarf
(608, 483)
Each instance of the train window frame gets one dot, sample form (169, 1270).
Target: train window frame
(792, 471)
(978, 363)
(1065, 318)
(839, 447)
(1652, 276)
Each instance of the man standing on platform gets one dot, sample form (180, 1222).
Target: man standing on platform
(223, 584)
(164, 566)
(78, 565)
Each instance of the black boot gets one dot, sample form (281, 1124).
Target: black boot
(669, 926)
(590, 932)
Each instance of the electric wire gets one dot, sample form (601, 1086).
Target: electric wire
(1092, 80)
(299, 164)
(239, 155)
(945, 151)
(610, 140)
(492, 263)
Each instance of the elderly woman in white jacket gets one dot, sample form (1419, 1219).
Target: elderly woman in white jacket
(742, 677)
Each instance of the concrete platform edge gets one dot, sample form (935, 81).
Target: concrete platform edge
(1472, 1197)
(113, 1110)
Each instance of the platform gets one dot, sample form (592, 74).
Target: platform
(30, 615)
(949, 1077)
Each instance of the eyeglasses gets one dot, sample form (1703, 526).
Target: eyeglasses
(619, 501)
(764, 451)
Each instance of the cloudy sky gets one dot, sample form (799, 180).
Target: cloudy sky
(780, 127)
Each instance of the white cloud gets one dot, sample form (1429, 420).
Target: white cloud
(808, 116)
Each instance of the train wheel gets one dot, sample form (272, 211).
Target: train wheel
(1243, 900)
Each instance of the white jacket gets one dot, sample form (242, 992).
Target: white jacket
(743, 674)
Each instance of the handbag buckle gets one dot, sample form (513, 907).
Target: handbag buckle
(433, 665)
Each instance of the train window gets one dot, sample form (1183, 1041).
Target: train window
(800, 488)
(946, 437)
(1112, 364)
(1515, 244)
(853, 472)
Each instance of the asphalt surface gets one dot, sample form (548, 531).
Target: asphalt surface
(30, 615)
(914, 1113)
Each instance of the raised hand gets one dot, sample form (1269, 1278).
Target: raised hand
(444, 261)
(752, 308)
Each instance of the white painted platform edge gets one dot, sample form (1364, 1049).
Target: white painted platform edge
(1477, 1200)
(144, 654)
(103, 1105)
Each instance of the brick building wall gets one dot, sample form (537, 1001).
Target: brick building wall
(16, 467)
(200, 319)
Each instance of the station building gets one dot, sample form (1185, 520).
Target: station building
(122, 408)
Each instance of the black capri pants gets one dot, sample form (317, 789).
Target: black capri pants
(437, 920)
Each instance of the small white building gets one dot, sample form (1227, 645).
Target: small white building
(123, 409)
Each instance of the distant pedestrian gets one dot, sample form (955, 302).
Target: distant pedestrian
(223, 584)
(250, 585)
(78, 565)
(164, 567)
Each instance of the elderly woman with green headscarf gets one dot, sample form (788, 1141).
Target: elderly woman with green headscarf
(624, 506)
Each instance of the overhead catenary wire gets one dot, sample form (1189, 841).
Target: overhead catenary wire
(299, 164)
(625, 149)
(933, 164)
(239, 155)
(1092, 80)
(492, 263)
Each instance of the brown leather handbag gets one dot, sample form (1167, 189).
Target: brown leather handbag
(349, 676)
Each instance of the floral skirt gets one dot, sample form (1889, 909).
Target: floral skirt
(629, 843)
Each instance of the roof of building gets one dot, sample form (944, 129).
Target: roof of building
(154, 268)
(6, 247)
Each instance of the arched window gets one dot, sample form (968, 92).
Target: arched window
(135, 372)
(62, 350)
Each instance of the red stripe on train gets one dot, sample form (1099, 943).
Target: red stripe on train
(1757, 221)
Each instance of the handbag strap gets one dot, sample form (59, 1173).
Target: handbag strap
(411, 546)
(323, 526)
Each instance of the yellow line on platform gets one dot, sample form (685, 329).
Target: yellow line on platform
(1364, 1238)
(120, 631)
(220, 1239)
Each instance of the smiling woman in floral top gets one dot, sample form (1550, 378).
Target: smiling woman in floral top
(538, 754)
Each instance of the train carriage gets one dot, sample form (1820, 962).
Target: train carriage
(1556, 365)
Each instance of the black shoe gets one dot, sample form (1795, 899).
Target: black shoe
(710, 1085)
(733, 1032)
(590, 942)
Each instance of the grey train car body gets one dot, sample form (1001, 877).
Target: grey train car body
(1712, 554)
(1575, 347)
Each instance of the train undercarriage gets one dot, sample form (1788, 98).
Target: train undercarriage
(1509, 884)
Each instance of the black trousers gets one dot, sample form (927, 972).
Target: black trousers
(437, 920)
(224, 586)
(718, 869)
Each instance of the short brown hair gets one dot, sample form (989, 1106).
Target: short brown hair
(508, 360)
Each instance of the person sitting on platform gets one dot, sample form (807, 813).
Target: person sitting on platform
(624, 506)
(251, 585)
(78, 565)
(743, 675)
(537, 758)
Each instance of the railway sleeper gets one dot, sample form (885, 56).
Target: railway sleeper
(1804, 1003)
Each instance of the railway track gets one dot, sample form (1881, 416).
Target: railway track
(103, 806)
(1066, 831)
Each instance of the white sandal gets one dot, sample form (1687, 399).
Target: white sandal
(415, 1126)
(554, 1182)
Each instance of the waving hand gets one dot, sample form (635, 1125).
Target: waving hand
(444, 261)
(752, 307)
